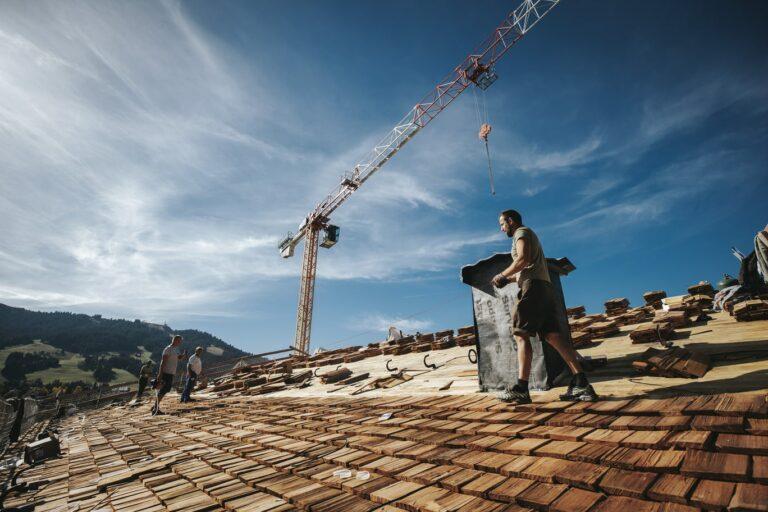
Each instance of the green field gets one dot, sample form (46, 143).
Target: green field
(67, 372)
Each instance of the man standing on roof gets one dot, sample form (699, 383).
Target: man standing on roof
(194, 371)
(535, 311)
(166, 373)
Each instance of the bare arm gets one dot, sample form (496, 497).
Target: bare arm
(522, 261)
(509, 274)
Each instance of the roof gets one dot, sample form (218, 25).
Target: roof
(652, 444)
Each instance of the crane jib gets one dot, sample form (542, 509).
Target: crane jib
(478, 69)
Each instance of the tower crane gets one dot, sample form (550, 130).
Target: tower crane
(478, 69)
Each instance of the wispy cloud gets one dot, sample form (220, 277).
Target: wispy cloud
(651, 202)
(382, 323)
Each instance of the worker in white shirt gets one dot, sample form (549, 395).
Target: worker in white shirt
(194, 371)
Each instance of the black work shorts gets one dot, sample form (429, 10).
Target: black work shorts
(166, 383)
(536, 311)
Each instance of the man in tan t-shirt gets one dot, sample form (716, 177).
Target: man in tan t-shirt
(535, 311)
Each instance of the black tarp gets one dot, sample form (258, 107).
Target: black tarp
(493, 307)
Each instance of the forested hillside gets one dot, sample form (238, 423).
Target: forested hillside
(94, 336)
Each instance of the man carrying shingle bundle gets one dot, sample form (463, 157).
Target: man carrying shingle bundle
(535, 311)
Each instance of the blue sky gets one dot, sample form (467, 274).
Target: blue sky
(152, 155)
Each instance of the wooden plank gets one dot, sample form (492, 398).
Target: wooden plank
(576, 500)
(760, 469)
(625, 504)
(712, 494)
(672, 487)
(742, 443)
(749, 497)
(541, 495)
(510, 489)
(482, 485)
(627, 483)
(722, 466)
(394, 492)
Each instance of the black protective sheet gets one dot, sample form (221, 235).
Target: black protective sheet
(493, 307)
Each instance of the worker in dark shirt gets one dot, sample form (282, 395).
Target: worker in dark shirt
(535, 312)
(145, 373)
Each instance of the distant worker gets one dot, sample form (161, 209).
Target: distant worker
(535, 311)
(166, 373)
(145, 373)
(194, 372)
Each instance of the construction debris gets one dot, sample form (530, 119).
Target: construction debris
(335, 375)
(651, 332)
(751, 310)
(673, 362)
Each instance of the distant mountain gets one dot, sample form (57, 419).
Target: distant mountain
(94, 335)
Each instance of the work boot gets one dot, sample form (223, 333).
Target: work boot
(579, 391)
(515, 395)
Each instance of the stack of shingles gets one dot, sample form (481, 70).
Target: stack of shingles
(653, 298)
(633, 316)
(703, 288)
(259, 382)
(581, 324)
(673, 362)
(676, 319)
(603, 329)
(751, 310)
(615, 307)
(679, 304)
(698, 302)
(465, 336)
(443, 340)
(575, 312)
(650, 332)
(580, 338)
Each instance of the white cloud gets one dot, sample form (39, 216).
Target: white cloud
(382, 323)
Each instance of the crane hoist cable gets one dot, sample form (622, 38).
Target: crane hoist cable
(484, 130)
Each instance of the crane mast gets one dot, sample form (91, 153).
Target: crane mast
(477, 68)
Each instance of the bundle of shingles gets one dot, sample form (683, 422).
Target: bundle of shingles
(699, 302)
(633, 316)
(616, 307)
(653, 298)
(575, 312)
(676, 319)
(443, 340)
(673, 362)
(581, 324)
(580, 338)
(650, 332)
(703, 288)
(679, 304)
(465, 336)
(748, 310)
(603, 329)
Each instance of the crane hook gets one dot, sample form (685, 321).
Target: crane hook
(485, 130)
